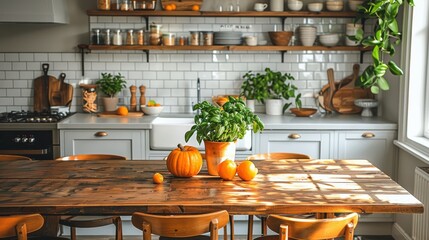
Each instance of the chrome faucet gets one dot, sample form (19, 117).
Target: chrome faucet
(198, 91)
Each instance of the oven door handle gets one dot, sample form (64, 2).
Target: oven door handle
(25, 152)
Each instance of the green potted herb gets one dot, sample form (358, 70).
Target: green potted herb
(111, 85)
(221, 127)
(270, 88)
(385, 36)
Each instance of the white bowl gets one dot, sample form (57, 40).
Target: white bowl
(329, 40)
(334, 8)
(151, 110)
(353, 4)
(251, 40)
(295, 5)
(315, 7)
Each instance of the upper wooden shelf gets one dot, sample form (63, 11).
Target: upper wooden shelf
(225, 48)
(141, 13)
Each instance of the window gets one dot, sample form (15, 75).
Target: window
(414, 99)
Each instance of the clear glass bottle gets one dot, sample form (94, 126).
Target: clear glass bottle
(117, 37)
(96, 37)
(140, 37)
(107, 37)
(130, 37)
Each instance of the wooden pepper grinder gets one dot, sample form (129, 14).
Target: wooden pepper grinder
(133, 99)
(142, 95)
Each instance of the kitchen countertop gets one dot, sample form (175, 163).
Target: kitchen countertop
(316, 122)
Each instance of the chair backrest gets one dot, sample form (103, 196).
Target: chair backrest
(91, 157)
(177, 226)
(13, 157)
(313, 229)
(278, 155)
(20, 225)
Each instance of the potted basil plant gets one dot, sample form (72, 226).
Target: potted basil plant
(111, 85)
(221, 127)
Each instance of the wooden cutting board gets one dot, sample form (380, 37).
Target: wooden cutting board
(66, 91)
(54, 90)
(114, 115)
(41, 90)
(344, 98)
(182, 5)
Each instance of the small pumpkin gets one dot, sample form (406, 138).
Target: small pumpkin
(184, 161)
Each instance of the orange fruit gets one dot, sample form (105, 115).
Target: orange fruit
(168, 7)
(227, 169)
(247, 170)
(173, 6)
(158, 178)
(157, 104)
(195, 7)
(122, 110)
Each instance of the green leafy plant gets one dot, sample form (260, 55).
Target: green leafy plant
(111, 85)
(386, 36)
(268, 85)
(223, 124)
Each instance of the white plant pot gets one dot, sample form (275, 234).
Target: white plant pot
(110, 104)
(274, 107)
(250, 103)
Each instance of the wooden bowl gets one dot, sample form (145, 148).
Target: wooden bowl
(280, 38)
(303, 112)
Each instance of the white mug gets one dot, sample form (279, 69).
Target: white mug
(259, 7)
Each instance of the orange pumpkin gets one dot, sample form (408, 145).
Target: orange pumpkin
(184, 161)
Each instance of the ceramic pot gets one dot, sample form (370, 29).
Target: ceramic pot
(250, 103)
(110, 104)
(277, 5)
(274, 106)
(216, 152)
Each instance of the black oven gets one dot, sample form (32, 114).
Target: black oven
(35, 144)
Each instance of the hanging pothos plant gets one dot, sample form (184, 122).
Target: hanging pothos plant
(386, 36)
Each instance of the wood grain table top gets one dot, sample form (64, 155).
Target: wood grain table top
(123, 187)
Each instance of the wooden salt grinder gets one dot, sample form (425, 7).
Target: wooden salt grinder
(133, 99)
(142, 95)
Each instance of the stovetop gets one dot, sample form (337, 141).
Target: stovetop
(32, 117)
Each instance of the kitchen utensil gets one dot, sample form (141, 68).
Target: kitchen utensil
(55, 90)
(323, 99)
(344, 98)
(303, 112)
(41, 90)
(280, 38)
(182, 5)
(115, 115)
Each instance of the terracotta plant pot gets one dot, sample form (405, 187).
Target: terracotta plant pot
(216, 152)
(110, 104)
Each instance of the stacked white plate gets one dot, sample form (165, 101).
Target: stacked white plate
(307, 35)
(228, 38)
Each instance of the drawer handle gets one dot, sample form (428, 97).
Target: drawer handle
(101, 134)
(368, 135)
(294, 136)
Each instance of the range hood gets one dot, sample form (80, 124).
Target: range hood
(34, 11)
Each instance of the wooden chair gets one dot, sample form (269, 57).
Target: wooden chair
(185, 227)
(91, 221)
(272, 156)
(312, 229)
(13, 157)
(92, 157)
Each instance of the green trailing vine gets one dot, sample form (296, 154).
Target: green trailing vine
(386, 36)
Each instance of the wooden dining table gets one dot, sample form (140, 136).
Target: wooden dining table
(110, 187)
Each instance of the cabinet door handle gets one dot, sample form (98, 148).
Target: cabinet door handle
(294, 136)
(368, 135)
(101, 134)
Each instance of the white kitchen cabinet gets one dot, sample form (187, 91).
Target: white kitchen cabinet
(317, 144)
(129, 143)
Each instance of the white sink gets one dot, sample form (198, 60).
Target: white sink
(167, 132)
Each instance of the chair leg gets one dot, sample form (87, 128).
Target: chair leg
(118, 224)
(264, 226)
(72, 233)
(231, 224)
(250, 228)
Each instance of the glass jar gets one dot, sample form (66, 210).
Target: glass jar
(103, 4)
(168, 39)
(207, 38)
(130, 37)
(155, 34)
(117, 37)
(140, 37)
(183, 40)
(115, 5)
(96, 37)
(107, 37)
(126, 5)
(195, 38)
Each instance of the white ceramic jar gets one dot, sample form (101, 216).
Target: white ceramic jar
(277, 5)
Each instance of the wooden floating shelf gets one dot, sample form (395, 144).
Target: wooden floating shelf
(344, 14)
